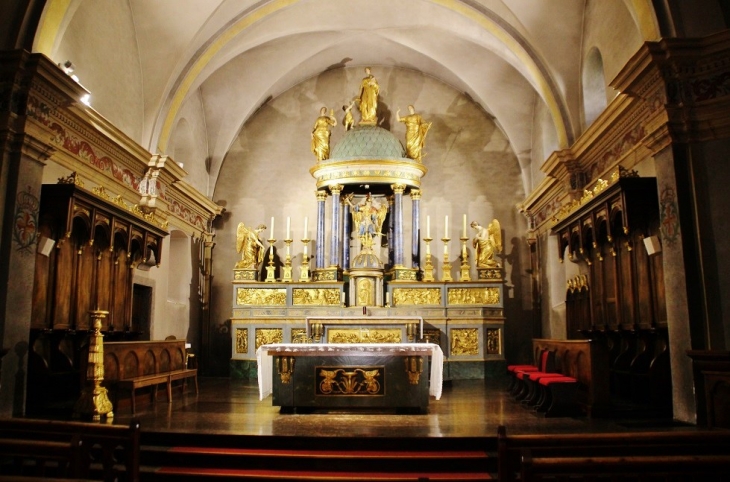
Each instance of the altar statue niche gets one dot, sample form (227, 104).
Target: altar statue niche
(368, 217)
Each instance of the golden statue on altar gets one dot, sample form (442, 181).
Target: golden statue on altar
(368, 217)
(487, 242)
(321, 134)
(416, 131)
(368, 99)
(249, 246)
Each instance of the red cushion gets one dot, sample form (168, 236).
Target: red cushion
(522, 368)
(548, 381)
(535, 376)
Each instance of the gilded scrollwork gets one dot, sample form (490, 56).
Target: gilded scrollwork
(473, 296)
(261, 296)
(349, 381)
(241, 340)
(316, 296)
(464, 341)
(267, 336)
(414, 368)
(494, 341)
(364, 335)
(416, 296)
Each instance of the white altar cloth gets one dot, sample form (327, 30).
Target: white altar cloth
(266, 363)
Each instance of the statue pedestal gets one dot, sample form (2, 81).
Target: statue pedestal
(492, 274)
(245, 274)
(400, 273)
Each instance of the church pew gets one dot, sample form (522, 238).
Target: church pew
(132, 365)
(582, 447)
(53, 449)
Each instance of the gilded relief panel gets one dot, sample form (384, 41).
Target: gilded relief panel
(350, 381)
(241, 340)
(464, 341)
(261, 296)
(267, 336)
(316, 296)
(364, 335)
(432, 336)
(299, 335)
(473, 296)
(416, 296)
(494, 344)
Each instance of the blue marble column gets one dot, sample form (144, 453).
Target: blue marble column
(398, 223)
(345, 236)
(319, 260)
(416, 229)
(391, 233)
(336, 221)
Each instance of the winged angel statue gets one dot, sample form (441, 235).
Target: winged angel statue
(368, 217)
(487, 242)
(249, 246)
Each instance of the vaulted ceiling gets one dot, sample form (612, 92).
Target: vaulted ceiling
(233, 55)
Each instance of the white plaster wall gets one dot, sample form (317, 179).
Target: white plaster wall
(472, 169)
(189, 143)
(544, 142)
(100, 40)
(610, 28)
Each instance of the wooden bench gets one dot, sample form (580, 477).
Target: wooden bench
(70, 450)
(132, 365)
(556, 455)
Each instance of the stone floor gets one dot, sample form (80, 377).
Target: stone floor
(467, 408)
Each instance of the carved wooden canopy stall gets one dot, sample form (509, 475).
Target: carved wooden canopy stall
(608, 211)
(99, 240)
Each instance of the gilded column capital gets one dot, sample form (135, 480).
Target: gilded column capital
(321, 195)
(336, 189)
(416, 194)
(398, 188)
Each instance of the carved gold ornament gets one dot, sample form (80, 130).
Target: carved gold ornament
(464, 341)
(473, 296)
(241, 340)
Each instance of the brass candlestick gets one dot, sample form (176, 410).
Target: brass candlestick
(94, 400)
(304, 268)
(447, 265)
(286, 277)
(465, 275)
(428, 269)
(270, 278)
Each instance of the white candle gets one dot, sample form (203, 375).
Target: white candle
(342, 295)
(271, 235)
(464, 226)
(387, 298)
(428, 226)
(446, 226)
(305, 226)
(288, 227)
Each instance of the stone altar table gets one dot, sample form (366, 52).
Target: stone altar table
(350, 375)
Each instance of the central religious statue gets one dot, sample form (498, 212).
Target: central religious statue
(487, 242)
(249, 246)
(368, 218)
(368, 99)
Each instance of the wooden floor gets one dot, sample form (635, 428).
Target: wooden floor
(467, 408)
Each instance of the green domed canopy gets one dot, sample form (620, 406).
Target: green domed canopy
(368, 142)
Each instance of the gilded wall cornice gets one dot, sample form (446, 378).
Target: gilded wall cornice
(670, 91)
(83, 141)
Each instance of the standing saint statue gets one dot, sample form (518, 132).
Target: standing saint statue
(249, 246)
(368, 99)
(321, 134)
(487, 242)
(416, 131)
(368, 218)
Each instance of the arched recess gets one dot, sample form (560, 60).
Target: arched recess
(180, 271)
(593, 81)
